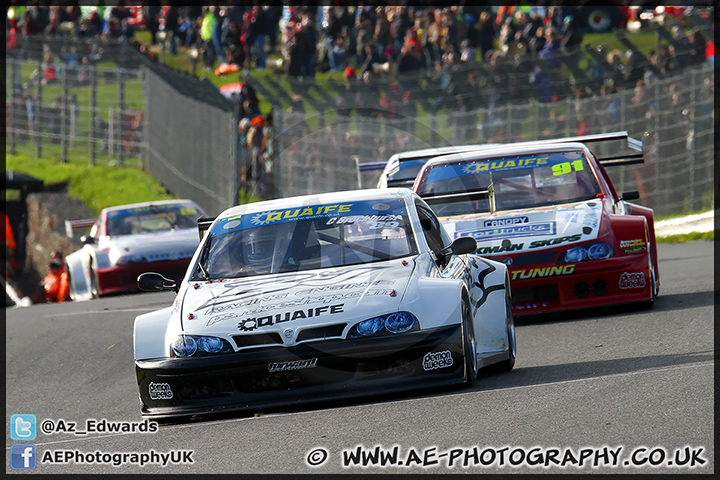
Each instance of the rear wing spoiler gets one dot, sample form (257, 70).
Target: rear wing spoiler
(72, 225)
(624, 159)
(627, 159)
(203, 224)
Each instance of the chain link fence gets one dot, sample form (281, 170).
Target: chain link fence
(673, 117)
(71, 111)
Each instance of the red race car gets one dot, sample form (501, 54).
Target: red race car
(548, 210)
(127, 240)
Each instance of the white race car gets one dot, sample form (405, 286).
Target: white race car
(321, 297)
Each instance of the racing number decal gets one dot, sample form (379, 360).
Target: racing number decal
(567, 167)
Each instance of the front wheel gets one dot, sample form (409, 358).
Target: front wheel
(94, 290)
(469, 350)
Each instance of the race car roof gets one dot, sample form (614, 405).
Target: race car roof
(502, 150)
(146, 204)
(317, 199)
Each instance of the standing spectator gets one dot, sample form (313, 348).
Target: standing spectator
(381, 35)
(364, 28)
(217, 35)
(152, 15)
(402, 21)
(310, 40)
(571, 35)
(550, 51)
(506, 39)
(247, 37)
(206, 35)
(433, 36)
(483, 33)
(171, 26)
(262, 29)
(234, 53)
(274, 14)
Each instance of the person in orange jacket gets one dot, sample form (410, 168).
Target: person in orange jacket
(57, 288)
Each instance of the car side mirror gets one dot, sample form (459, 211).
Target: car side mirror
(634, 195)
(87, 240)
(154, 282)
(460, 246)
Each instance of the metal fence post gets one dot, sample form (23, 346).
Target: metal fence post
(121, 116)
(93, 113)
(38, 111)
(12, 106)
(64, 114)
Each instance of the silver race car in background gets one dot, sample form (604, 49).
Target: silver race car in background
(321, 297)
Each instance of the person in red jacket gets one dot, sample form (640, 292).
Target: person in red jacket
(57, 288)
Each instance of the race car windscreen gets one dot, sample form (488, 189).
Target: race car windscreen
(523, 181)
(152, 218)
(305, 238)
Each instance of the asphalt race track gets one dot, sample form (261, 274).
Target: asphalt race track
(639, 380)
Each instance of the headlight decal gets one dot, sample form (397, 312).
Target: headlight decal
(393, 323)
(582, 253)
(199, 345)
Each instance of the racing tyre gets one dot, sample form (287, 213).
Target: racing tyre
(94, 291)
(653, 280)
(507, 365)
(469, 350)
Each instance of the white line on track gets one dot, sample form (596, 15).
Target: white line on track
(218, 422)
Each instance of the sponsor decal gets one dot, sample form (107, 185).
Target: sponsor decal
(632, 280)
(507, 261)
(555, 241)
(543, 272)
(521, 230)
(250, 324)
(638, 242)
(292, 365)
(504, 164)
(501, 222)
(160, 391)
(499, 248)
(433, 361)
(531, 306)
(633, 250)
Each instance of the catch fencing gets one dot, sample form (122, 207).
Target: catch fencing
(71, 111)
(672, 116)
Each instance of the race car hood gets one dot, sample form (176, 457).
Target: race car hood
(529, 229)
(275, 302)
(156, 246)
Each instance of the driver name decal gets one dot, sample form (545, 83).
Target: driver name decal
(250, 324)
